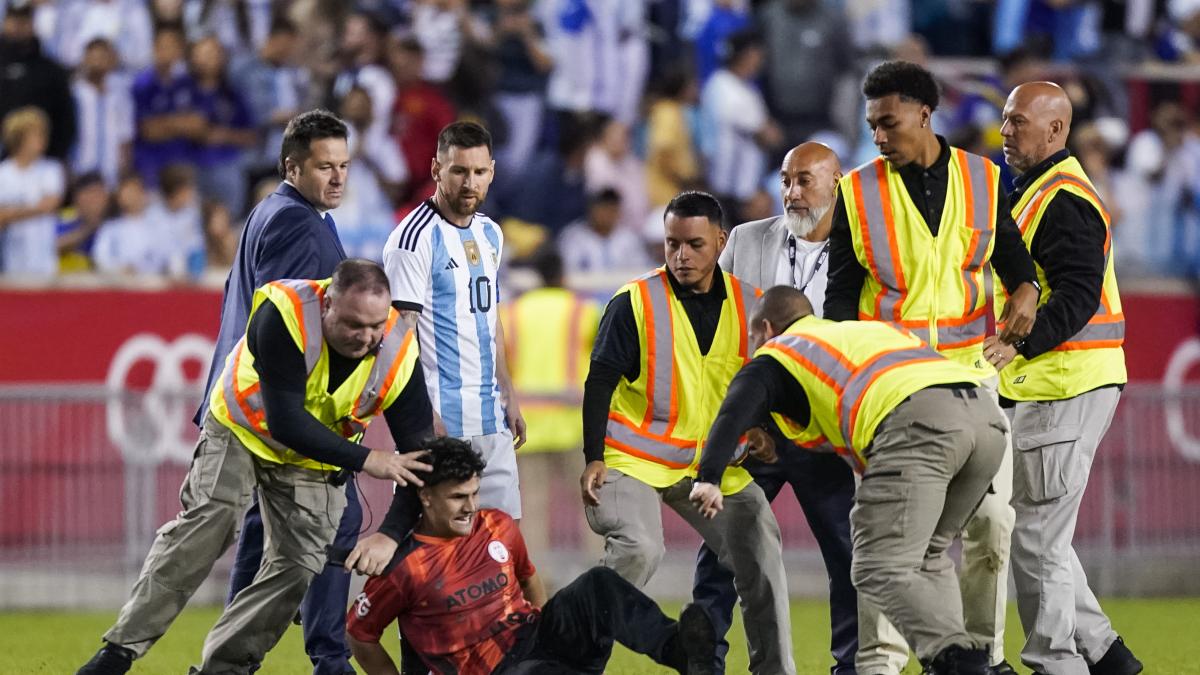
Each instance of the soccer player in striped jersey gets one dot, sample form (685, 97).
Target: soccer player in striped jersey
(443, 261)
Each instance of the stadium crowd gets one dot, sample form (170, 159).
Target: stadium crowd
(136, 135)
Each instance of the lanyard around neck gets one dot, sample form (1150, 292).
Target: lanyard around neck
(792, 263)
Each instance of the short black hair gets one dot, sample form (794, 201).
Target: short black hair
(907, 80)
(463, 135)
(281, 25)
(452, 459)
(606, 195)
(86, 180)
(782, 306)
(549, 265)
(694, 203)
(99, 42)
(738, 44)
(164, 27)
(359, 274)
(305, 128)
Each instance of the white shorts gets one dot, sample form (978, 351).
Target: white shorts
(498, 487)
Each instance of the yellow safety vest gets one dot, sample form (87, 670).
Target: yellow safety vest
(855, 373)
(932, 286)
(549, 334)
(658, 422)
(1093, 357)
(372, 386)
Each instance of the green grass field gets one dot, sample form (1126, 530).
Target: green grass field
(1163, 633)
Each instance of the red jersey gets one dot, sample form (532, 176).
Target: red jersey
(459, 600)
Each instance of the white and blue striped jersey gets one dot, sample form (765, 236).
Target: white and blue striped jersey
(450, 275)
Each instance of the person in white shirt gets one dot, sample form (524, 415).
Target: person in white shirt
(31, 191)
(741, 129)
(792, 250)
(600, 244)
(104, 106)
(442, 261)
(378, 173)
(130, 243)
(611, 163)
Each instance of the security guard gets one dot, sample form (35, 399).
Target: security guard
(549, 333)
(668, 345)
(1060, 385)
(927, 438)
(912, 233)
(318, 361)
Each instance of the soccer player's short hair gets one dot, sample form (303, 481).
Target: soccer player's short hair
(463, 135)
(302, 130)
(782, 306)
(361, 275)
(694, 203)
(909, 81)
(453, 460)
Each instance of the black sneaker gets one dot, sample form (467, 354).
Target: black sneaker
(1118, 660)
(110, 660)
(1003, 668)
(956, 660)
(698, 639)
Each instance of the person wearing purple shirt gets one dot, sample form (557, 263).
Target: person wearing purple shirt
(220, 154)
(168, 122)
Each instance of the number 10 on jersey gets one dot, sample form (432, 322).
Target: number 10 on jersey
(479, 292)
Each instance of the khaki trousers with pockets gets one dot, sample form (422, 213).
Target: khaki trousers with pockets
(300, 510)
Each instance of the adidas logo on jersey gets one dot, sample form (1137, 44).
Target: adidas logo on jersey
(452, 265)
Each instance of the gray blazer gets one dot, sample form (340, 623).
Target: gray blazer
(743, 255)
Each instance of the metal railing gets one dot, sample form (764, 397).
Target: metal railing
(87, 474)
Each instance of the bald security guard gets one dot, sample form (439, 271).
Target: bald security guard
(1059, 386)
(793, 250)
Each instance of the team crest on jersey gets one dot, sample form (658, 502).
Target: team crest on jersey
(362, 605)
(472, 251)
(498, 552)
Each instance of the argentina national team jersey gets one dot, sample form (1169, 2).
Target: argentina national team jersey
(449, 274)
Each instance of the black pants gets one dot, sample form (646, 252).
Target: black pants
(824, 486)
(581, 622)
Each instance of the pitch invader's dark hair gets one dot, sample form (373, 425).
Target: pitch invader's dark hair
(453, 460)
(696, 203)
(302, 130)
(907, 80)
(463, 135)
(359, 274)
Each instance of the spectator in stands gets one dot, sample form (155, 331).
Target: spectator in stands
(231, 130)
(29, 78)
(363, 65)
(813, 33)
(164, 98)
(274, 85)
(177, 221)
(31, 190)
(672, 165)
(1070, 29)
(241, 26)
(376, 178)
(77, 237)
(444, 28)
(104, 106)
(220, 237)
(610, 163)
(878, 24)
(600, 243)
(740, 124)
(725, 19)
(421, 111)
(523, 60)
(123, 23)
(1179, 39)
(601, 56)
(129, 243)
(551, 192)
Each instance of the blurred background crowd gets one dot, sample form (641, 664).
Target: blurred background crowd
(136, 135)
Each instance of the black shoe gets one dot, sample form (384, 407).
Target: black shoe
(110, 660)
(1118, 660)
(698, 639)
(956, 660)
(1003, 668)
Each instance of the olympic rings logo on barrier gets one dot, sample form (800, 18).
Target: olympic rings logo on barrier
(155, 426)
(1186, 355)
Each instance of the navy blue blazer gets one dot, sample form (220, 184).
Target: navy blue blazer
(284, 238)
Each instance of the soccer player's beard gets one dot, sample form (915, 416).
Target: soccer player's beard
(802, 226)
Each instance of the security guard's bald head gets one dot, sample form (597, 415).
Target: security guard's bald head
(1036, 123)
(778, 308)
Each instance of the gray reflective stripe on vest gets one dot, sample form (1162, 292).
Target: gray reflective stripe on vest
(824, 360)
(951, 335)
(977, 181)
(1100, 331)
(253, 401)
(389, 349)
(922, 332)
(664, 451)
(876, 229)
(749, 299)
(857, 385)
(310, 319)
(660, 353)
